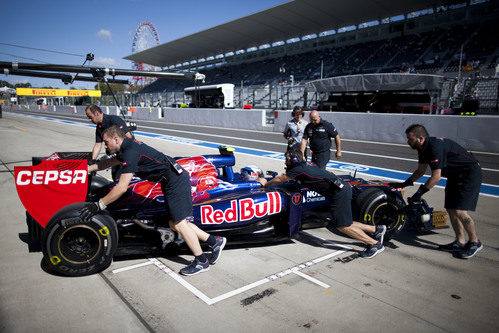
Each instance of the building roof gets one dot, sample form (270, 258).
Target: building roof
(292, 19)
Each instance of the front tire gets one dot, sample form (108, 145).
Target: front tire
(378, 207)
(73, 247)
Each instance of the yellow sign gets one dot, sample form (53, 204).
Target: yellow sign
(57, 92)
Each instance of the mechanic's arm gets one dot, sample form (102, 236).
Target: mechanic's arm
(303, 146)
(128, 135)
(103, 164)
(337, 141)
(432, 181)
(118, 190)
(93, 208)
(273, 182)
(96, 150)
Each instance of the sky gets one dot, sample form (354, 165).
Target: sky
(104, 28)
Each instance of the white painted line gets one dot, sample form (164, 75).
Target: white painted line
(119, 270)
(180, 280)
(312, 279)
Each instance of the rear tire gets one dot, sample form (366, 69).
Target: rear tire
(74, 247)
(378, 207)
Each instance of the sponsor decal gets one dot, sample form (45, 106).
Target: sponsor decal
(351, 167)
(47, 187)
(57, 92)
(312, 196)
(296, 199)
(242, 210)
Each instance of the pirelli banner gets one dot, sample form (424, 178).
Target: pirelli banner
(57, 92)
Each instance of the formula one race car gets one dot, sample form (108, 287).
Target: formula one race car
(54, 189)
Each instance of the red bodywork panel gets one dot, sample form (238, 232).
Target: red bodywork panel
(47, 187)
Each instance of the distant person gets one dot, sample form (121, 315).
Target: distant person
(318, 134)
(146, 162)
(293, 132)
(103, 122)
(464, 176)
(339, 194)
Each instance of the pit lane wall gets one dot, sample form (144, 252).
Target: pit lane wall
(474, 133)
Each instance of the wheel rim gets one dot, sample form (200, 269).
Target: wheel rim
(79, 244)
(387, 214)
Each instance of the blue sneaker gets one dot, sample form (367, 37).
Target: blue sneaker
(216, 250)
(470, 250)
(380, 232)
(372, 250)
(195, 267)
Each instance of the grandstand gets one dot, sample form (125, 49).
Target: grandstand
(270, 67)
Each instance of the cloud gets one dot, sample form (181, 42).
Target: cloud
(105, 35)
(105, 61)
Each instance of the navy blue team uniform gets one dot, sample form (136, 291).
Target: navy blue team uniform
(148, 163)
(320, 141)
(463, 172)
(321, 181)
(108, 121)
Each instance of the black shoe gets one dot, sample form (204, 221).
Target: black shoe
(471, 249)
(372, 250)
(380, 232)
(195, 267)
(451, 247)
(216, 250)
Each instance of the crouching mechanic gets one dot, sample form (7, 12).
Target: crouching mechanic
(147, 163)
(339, 194)
(464, 177)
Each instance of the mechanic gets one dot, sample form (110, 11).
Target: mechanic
(464, 177)
(318, 134)
(293, 132)
(148, 163)
(339, 194)
(103, 121)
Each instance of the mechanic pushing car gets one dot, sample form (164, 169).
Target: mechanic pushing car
(464, 177)
(102, 122)
(339, 194)
(147, 163)
(318, 134)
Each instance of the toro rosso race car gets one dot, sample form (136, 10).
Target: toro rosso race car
(54, 189)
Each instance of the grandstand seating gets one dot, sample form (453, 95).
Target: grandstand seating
(435, 50)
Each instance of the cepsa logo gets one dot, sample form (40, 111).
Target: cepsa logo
(242, 210)
(45, 177)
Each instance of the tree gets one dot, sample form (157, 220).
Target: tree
(117, 88)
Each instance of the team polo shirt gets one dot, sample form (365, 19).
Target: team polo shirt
(108, 121)
(294, 129)
(446, 155)
(142, 160)
(320, 135)
(312, 177)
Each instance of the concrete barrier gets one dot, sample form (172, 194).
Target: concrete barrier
(473, 133)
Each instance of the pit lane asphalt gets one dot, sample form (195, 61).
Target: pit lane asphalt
(410, 286)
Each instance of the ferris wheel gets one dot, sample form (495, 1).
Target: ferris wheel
(145, 37)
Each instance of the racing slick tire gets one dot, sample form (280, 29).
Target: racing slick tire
(74, 247)
(378, 207)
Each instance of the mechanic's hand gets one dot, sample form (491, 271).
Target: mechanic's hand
(262, 181)
(90, 210)
(417, 196)
(408, 182)
(338, 154)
